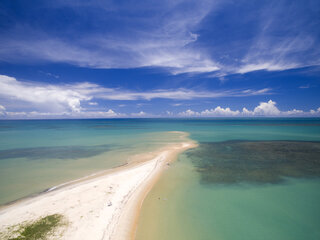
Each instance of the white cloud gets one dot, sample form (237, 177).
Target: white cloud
(169, 37)
(111, 113)
(176, 104)
(52, 115)
(189, 113)
(169, 113)
(97, 114)
(313, 112)
(251, 92)
(216, 112)
(267, 109)
(219, 111)
(293, 48)
(68, 97)
(51, 96)
(268, 66)
(159, 40)
(294, 112)
(139, 114)
(16, 114)
(245, 111)
(93, 103)
(183, 94)
(2, 110)
(36, 100)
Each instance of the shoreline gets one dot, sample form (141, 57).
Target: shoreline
(105, 205)
(136, 205)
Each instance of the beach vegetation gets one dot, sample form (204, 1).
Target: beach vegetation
(42, 229)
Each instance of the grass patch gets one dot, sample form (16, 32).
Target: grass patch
(40, 229)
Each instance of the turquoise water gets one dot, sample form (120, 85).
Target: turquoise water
(37, 155)
(248, 179)
(188, 209)
(239, 184)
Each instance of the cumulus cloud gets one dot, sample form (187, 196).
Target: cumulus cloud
(52, 96)
(294, 112)
(216, 112)
(139, 114)
(219, 111)
(189, 113)
(168, 113)
(313, 112)
(265, 109)
(245, 111)
(268, 109)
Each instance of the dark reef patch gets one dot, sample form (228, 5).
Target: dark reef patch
(255, 161)
(59, 152)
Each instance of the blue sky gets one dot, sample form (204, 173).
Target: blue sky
(88, 59)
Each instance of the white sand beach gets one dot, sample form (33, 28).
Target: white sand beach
(105, 206)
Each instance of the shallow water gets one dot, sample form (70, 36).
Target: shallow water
(188, 209)
(242, 182)
(238, 184)
(37, 155)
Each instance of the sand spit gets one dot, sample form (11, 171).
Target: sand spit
(101, 207)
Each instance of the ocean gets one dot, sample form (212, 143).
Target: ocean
(247, 179)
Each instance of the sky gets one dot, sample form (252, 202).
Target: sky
(123, 58)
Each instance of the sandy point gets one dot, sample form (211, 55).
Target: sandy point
(103, 206)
